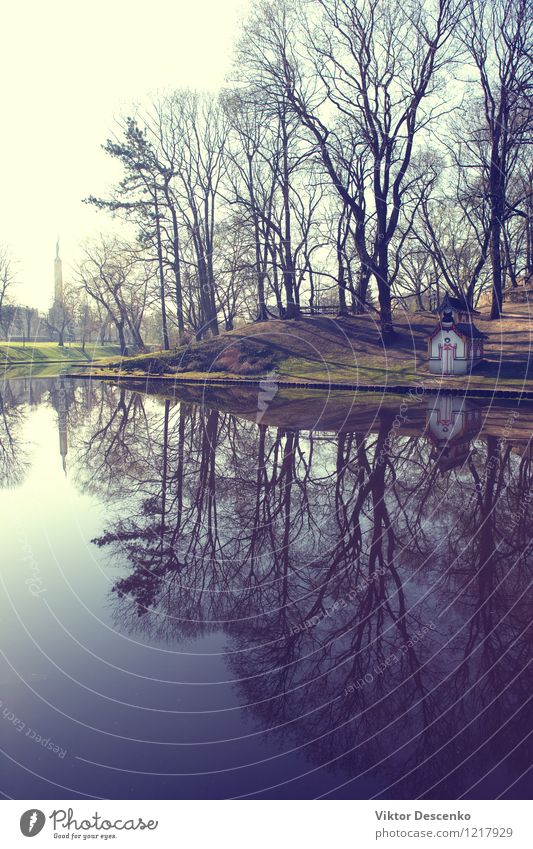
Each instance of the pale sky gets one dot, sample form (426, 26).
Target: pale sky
(68, 67)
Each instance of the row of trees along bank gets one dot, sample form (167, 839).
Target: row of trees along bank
(361, 156)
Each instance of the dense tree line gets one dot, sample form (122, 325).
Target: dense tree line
(362, 156)
(342, 162)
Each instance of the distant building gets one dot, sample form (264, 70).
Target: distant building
(456, 345)
(58, 278)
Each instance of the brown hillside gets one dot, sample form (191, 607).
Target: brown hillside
(349, 349)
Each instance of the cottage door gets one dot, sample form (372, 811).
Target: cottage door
(447, 356)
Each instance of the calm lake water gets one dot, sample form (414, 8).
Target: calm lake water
(250, 596)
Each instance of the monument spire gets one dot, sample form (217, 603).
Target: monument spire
(58, 277)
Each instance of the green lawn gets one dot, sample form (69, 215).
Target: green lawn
(15, 353)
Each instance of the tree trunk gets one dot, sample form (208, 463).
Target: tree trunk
(529, 237)
(275, 283)
(385, 311)
(362, 290)
(122, 338)
(293, 310)
(177, 271)
(496, 257)
(207, 319)
(176, 264)
(385, 306)
(343, 309)
(262, 314)
(164, 325)
(497, 206)
(209, 222)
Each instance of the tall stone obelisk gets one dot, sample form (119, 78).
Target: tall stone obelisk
(58, 278)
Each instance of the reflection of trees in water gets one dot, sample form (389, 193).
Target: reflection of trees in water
(376, 609)
(17, 398)
(13, 453)
(118, 451)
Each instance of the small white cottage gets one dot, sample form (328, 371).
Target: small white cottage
(456, 345)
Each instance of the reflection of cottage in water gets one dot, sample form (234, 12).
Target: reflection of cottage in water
(451, 425)
(456, 345)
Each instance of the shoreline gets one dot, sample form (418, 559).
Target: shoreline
(265, 383)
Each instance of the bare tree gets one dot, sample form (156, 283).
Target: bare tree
(251, 177)
(498, 35)
(138, 197)
(177, 146)
(112, 275)
(7, 278)
(454, 232)
(518, 226)
(367, 80)
(87, 320)
(201, 169)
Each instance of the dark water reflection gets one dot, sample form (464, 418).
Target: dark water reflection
(223, 607)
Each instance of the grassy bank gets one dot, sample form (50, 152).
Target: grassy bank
(343, 350)
(41, 353)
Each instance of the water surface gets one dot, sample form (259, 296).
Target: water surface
(248, 596)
